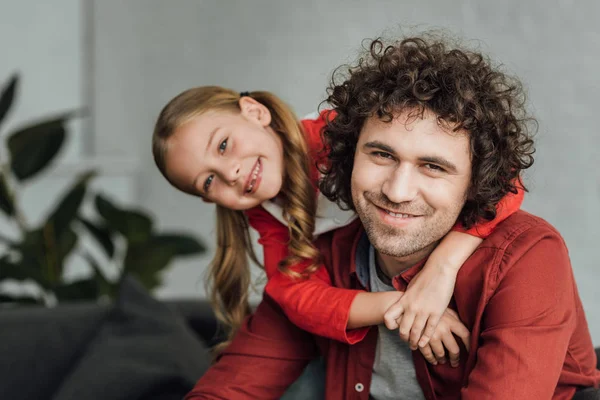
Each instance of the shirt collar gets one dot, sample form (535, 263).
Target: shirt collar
(365, 254)
(363, 251)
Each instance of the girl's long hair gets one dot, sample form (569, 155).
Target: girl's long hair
(229, 275)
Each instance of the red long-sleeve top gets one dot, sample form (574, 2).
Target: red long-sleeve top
(314, 304)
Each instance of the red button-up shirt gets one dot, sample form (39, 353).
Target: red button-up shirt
(516, 294)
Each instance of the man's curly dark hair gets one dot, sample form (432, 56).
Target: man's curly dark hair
(461, 87)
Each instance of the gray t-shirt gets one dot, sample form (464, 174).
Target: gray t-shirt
(393, 371)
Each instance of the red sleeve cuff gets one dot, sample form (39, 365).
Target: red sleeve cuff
(316, 307)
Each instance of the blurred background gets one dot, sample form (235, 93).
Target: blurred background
(118, 62)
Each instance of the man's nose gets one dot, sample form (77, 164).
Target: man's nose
(401, 186)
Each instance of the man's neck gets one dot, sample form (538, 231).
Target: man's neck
(393, 266)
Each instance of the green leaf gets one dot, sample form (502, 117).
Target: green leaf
(6, 202)
(43, 254)
(9, 270)
(105, 287)
(181, 243)
(146, 261)
(66, 244)
(7, 298)
(68, 207)
(150, 281)
(135, 225)
(26, 268)
(147, 257)
(83, 289)
(7, 96)
(102, 234)
(33, 147)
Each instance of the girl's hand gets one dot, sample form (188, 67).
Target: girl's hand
(443, 339)
(430, 291)
(422, 305)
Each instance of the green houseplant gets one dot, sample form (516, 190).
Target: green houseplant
(126, 236)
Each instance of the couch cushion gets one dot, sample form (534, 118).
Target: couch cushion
(38, 346)
(143, 350)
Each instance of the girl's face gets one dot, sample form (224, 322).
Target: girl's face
(232, 159)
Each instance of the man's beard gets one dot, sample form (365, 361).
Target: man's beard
(401, 241)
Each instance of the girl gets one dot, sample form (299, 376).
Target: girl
(248, 154)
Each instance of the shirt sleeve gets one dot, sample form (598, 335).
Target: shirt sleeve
(507, 206)
(266, 356)
(528, 322)
(313, 304)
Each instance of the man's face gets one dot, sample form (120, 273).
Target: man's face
(409, 183)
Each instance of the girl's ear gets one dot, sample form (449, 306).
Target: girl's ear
(255, 111)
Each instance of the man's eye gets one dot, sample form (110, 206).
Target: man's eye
(207, 183)
(223, 146)
(382, 154)
(434, 167)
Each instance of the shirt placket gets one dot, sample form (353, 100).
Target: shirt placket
(360, 367)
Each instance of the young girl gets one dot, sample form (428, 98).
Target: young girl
(248, 154)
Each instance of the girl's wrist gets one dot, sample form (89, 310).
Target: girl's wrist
(390, 299)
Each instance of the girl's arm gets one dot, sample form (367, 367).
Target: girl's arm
(418, 312)
(312, 304)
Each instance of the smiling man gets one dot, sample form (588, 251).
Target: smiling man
(409, 184)
(426, 135)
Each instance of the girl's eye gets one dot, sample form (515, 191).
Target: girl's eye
(207, 183)
(223, 146)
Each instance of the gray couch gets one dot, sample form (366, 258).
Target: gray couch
(139, 348)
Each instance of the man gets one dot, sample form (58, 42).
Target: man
(425, 136)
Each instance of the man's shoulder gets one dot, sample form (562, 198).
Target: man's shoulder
(523, 248)
(521, 229)
(523, 236)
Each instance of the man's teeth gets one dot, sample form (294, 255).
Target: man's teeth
(398, 215)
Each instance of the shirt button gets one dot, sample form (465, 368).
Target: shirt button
(359, 387)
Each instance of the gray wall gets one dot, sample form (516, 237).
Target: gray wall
(146, 51)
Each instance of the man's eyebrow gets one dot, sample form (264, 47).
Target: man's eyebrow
(376, 144)
(441, 161)
(438, 160)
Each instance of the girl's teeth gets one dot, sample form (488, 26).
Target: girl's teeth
(254, 175)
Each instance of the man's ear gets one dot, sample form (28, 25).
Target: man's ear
(255, 111)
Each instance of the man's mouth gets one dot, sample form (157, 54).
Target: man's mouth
(394, 218)
(254, 178)
(398, 215)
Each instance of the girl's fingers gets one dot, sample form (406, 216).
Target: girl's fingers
(405, 324)
(392, 315)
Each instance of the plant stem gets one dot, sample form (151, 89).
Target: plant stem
(12, 194)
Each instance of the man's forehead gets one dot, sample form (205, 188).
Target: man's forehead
(427, 122)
